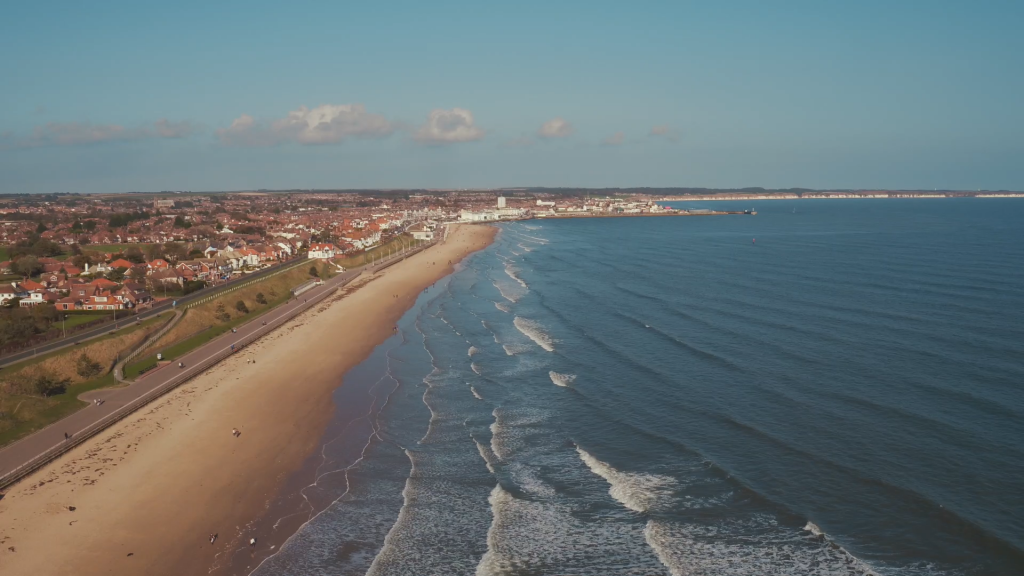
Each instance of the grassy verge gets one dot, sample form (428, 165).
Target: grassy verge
(208, 321)
(77, 320)
(21, 414)
(378, 252)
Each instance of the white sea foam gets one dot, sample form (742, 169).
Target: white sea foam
(502, 306)
(534, 239)
(814, 529)
(513, 349)
(561, 379)
(526, 248)
(475, 367)
(636, 491)
(486, 454)
(475, 393)
(507, 292)
(754, 546)
(512, 273)
(472, 350)
(535, 331)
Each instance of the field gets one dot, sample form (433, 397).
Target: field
(23, 412)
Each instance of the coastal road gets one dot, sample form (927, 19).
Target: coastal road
(30, 447)
(130, 321)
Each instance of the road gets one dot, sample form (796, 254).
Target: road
(52, 436)
(130, 321)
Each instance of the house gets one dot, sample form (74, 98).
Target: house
(421, 231)
(121, 263)
(68, 303)
(166, 277)
(10, 291)
(103, 300)
(158, 264)
(322, 251)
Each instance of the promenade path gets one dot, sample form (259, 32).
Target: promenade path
(28, 448)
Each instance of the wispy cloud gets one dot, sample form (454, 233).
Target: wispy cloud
(448, 127)
(325, 124)
(555, 128)
(614, 140)
(664, 131)
(84, 133)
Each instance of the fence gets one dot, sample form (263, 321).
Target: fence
(96, 427)
(150, 338)
(220, 293)
(59, 333)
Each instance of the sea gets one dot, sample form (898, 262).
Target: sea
(828, 387)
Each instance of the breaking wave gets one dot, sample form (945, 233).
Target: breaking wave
(561, 379)
(534, 331)
(636, 491)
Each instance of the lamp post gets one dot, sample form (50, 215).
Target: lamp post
(62, 325)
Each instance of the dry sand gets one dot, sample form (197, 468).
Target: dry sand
(149, 491)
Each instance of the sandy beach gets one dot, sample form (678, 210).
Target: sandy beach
(144, 496)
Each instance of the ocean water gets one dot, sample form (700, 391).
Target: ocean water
(666, 396)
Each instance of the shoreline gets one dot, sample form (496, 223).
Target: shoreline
(143, 496)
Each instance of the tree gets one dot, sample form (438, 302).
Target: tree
(81, 261)
(90, 225)
(180, 222)
(260, 298)
(87, 367)
(47, 385)
(241, 307)
(27, 266)
(222, 314)
(135, 255)
(76, 249)
(41, 228)
(314, 272)
(175, 251)
(219, 226)
(76, 226)
(154, 251)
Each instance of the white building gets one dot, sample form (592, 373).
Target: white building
(501, 202)
(322, 251)
(421, 231)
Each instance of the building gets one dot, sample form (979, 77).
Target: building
(322, 251)
(421, 231)
(501, 202)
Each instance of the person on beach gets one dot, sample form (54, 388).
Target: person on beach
(252, 542)
(213, 538)
(66, 436)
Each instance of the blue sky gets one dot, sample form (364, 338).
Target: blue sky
(122, 96)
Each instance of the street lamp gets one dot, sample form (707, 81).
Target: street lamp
(62, 326)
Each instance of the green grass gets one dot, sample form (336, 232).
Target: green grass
(182, 347)
(58, 407)
(5, 253)
(112, 248)
(77, 320)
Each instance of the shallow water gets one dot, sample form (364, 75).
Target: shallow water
(666, 396)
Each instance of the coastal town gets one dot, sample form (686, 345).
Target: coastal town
(119, 252)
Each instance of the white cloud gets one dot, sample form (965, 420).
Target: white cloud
(167, 129)
(325, 124)
(614, 140)
(449, 126)
(664, 131)
(555, 128)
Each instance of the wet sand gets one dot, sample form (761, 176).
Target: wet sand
(147, 493)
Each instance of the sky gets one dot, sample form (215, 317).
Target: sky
(143, 96)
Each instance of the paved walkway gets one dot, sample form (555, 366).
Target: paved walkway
(32, 446)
